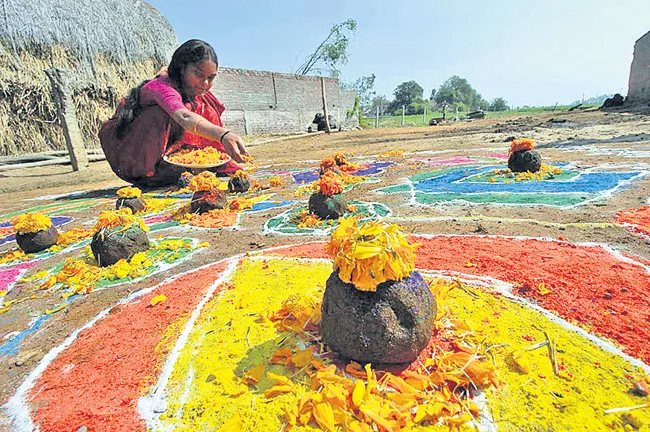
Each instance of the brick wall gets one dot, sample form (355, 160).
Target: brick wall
(268, 102)
(639, 89)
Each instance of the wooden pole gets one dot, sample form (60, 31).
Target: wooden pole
(403, 112)
(424, 116)
(62, 96)
(327, 121)
(377, 119)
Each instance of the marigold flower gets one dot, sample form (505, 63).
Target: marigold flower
(206, 181)
(31, 223)
(339, 157)
(204, 156)
(240, 174)
(522, 144)
(275, 181)
(392, 154)
(330, 184)
(327, 163)
(238, 204)
(129, 192)
(118, 218)
(304, 219)
(370, 254)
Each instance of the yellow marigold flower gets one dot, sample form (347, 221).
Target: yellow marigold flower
(370, 254)
(31, 223)
(73, 236)
(275, 181)
(205, 181)
(118, 218)
(129, 192)
(304, 219)
(522, 144)
(391, 154)
(204, 156)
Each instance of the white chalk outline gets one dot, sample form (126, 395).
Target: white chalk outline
(321, 231)
(17, 406)
(603, 196)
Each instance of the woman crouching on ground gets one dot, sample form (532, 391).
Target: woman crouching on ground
(173, 111)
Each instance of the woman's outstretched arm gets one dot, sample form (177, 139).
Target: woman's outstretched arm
(196, 124)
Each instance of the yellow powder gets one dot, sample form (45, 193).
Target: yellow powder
(230, 339)
(540, 400)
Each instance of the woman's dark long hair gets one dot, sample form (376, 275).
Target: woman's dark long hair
(192, 51)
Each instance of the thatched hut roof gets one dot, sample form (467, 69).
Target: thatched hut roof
(110, 45)
(122, 30)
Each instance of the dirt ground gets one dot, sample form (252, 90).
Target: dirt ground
(625, 136)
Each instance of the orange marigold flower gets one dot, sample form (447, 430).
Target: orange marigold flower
(129, 192)
(240, 174)
(31, 223)
(327, 163)
(339, 157)
(239, 203)
(522, 144)
(330, 184)
(118, 218)
(370, 254)
(206, 181)
(204, 156)
(275, 181)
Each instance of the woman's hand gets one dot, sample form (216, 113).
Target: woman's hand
(234, 146)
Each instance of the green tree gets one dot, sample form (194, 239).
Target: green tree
(405, 94)
(364, 87)
(381, 102)
(332, 52)
(498, 104)
(457, 92)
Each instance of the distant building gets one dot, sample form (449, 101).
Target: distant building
(639, 89)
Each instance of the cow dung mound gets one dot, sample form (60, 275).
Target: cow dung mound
(327, 206)
(390, 325)
(525, 160)
(113, 244)
(37, 241)
(135, 204)
(204, 201)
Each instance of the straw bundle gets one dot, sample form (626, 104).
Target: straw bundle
(109, 46)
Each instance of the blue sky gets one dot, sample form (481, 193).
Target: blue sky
(528, 52)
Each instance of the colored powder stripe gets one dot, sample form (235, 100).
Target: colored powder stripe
(161, 263)
(228, 340)
(551, 199)
(588, 284)
(57, 221)
(98, 380)
(529, 401)
(56, 208)
(586, 183)
(638, 218)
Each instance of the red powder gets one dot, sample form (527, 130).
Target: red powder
(588, 285)
(306, 250)
(639, 218)
(98, 380)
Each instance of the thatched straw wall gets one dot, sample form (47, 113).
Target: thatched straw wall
(110, 45)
